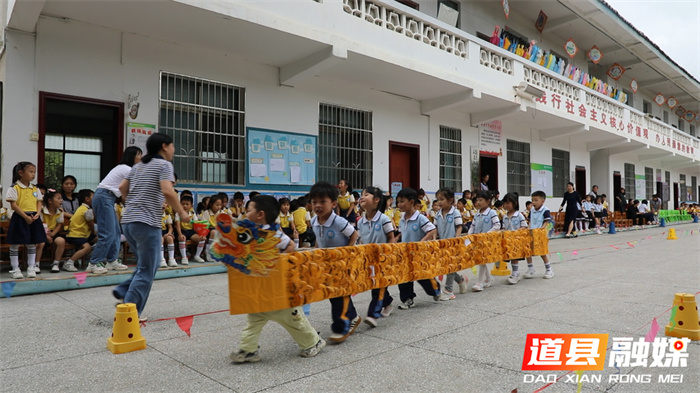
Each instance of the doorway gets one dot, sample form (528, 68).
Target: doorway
(404, 164)
(580, 181)
(617, 184)
(676, 195)
(78, 136)
(488, 165)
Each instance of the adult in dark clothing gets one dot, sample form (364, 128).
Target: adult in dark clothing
(620, 201)
(572, 200)
(633, 213)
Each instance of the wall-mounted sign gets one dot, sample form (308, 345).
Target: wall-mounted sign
(281, 158)
(671, 102)
(680, 112)
(570, 47)
(541, 21)
(634, 86)
(659, 99)
(615, 71)
(137, 134)
(689, 116)
(490, 137)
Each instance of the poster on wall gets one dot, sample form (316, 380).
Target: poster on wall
(640, 187)
(541, 176)
(490, 137)
(281, 158)
(137, 134)
(474, 165)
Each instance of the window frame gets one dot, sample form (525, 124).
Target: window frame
(630, 181)
(516, 168)
(450, 147)
(559, 184)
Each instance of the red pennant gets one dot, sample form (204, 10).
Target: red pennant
(614, 247)
(652, 331)
(630, 244)
(185, 323)
(80, 277)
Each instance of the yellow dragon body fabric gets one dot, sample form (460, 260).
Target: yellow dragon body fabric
(261, 279)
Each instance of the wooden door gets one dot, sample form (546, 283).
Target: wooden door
(404, 164)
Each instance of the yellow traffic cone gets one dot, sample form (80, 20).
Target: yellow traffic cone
(501, 270)
(684, 319)
(126, 331)
(671, 234)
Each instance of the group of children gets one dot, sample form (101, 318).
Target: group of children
(376, 225)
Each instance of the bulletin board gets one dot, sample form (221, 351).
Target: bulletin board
(281, 158)
(541, 177)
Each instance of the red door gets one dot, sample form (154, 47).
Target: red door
(404, 164)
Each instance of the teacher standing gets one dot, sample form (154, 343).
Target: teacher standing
(106, 250)
(149, 183)
(572, 200)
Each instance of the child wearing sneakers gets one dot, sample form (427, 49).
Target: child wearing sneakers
(376, 227)
(263, 210)
(213, 208)
(539, 218)
(168, 238)
(415, 227)
(52, 216)
(331, 230)
(512, 221)
(81, 234)
(448, 221)
(185, 230)
(25, 226)
(485, 221)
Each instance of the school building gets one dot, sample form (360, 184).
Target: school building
(275, 95)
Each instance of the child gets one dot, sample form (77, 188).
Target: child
(539, 218)
(376, 227)
(526, 212)
(415, 227)
(203, 205)
(485, 221)
(424, 202)
(302, 221)
(209, 215)
(393, 213)
(587, 207)
(185, 231)
(598, 213)
(449, 224)
(264, 210)
(237, 205)
(25, 226)
(52, 216)
(512, 221)
(346, 202)
(224, 203)
(168, 239)
(81, 234)
(332, 230)
(433, 212)
(464, 213)
(286, 219)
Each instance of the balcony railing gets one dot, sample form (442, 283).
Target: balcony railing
(430, 31)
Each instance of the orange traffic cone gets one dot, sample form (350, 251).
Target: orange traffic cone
(126, 331)
(684, 319)
(672, 234)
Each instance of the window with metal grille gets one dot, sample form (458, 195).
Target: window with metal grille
(649, 182)
(630, 189)
(206, 120)
(560, 171)
(683, 190)
(451, 158)
(345, 145)
(518, 167)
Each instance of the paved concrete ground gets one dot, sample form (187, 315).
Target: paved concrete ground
(57, 341)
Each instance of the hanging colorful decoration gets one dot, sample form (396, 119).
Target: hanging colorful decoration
(659, 99)
(634, 86)
(506, 8)
(615, 71)
(680, 112)
(541, 21)
(595, 54)
(671, 102)
(571, 48)
(689, 116)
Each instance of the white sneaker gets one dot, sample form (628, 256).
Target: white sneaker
(16, 274)
(69, 267)
(386, 311)
(172, 262)
(37, 269)
(445, 295)
(488, 282)
(162, 264)
(463, 288)
(96, 268)
(371, 321)
(115, 265)
(530, 273)
(55, 268)
(514, 278)
(198, 259)
(598, 231)
(478, 287)
(184, 261)
(548, 274)
(31, 273)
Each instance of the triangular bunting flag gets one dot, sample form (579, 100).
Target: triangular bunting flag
(652, 331)
(185, 323)
(7, 288)
(80, 277)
